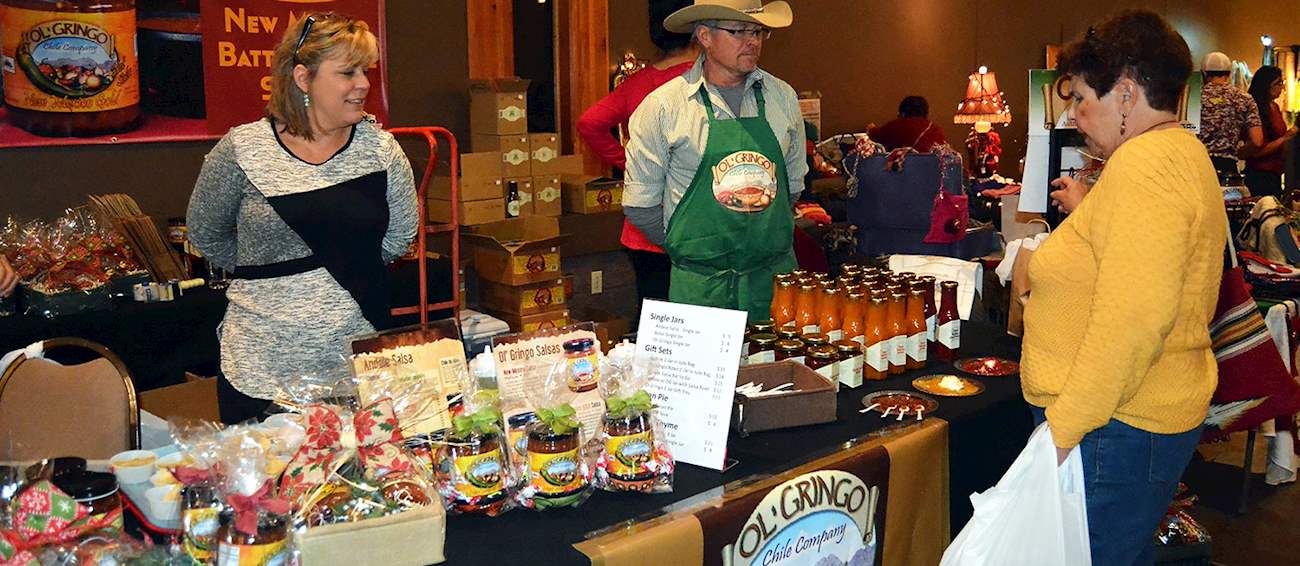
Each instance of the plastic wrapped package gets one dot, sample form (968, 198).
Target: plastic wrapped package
(474, 475)
(560, 465)
(633, 455)
(1178, 527)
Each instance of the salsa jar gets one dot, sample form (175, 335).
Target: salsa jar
(762, 349)
(554, 468)
(478, 472)
(788, 333)
(848, 354)
(200, 520)
(789, 350)
(96, 490)
(583, 371)
(70, 66)
(822, 359)
(629, 450)
(268, 545)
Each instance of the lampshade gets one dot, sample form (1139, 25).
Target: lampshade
(983, 102)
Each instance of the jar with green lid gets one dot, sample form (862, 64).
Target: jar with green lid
(74, 66)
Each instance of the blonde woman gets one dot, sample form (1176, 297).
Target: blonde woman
(305, 207)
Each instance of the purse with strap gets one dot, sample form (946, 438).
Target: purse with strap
(950, 214)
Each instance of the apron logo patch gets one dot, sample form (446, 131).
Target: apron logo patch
(745, 181)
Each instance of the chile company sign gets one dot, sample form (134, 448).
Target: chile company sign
(822, 518)
(239, 37)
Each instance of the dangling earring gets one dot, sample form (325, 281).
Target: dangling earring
(1123, 124)
(306, 100)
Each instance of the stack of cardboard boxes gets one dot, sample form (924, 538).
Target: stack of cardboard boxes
(519, 276)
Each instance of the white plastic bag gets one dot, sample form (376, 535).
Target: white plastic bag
(1036, 515)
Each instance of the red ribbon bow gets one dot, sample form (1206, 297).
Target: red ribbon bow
(44, 515)
(247, 506)
(378, 440)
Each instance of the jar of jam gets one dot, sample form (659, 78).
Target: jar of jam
(813, 340)
(822, 359)
(478, 473)
(790, 350)
(268, 545)
(788, 333)
(96, 490)
(763, 326)
(583, 371)
(848, 354)
(629, 449)
(77, 72)
(762, 348)
(554, 469)
(200, 520)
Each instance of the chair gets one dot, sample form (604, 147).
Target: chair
(50, 410)
(892, 208)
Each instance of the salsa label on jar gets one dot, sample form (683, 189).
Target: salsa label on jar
(69, 62)
(200, 528)
(556, 473)
(478, 475)
(629, 455)
(269, 554)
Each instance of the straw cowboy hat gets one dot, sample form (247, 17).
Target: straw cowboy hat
(772, 15)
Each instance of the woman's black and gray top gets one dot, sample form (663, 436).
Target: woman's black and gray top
(307, 244)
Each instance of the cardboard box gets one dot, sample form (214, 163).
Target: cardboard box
(194, 399)
(523, 186)
(412, 538)
(523, 299)
(498, 106)
(546, 195)
(600, 233)
(471, 188)
(513, 151)
(610, 328)
(531, 322)
(516, 251)
(483, 165)
(562, 165)
(588, 194)
(812, 400)
(544, 150)
(471, 212)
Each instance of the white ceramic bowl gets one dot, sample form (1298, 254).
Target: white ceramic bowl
(133, 466)
(160, 507)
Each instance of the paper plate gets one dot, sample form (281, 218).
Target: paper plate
(930, 384)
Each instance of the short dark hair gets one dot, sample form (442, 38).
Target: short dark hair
(1138, 44)
(1216, 74)
(665, 40)
(914, 107)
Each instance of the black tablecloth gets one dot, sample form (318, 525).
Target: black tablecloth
(158, 342)
(987, 432)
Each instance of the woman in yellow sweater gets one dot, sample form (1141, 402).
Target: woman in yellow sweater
(1116, 350)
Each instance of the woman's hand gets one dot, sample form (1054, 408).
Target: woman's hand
(1291, 133)
(8, 278)
(1062, 454)
(1069, 193)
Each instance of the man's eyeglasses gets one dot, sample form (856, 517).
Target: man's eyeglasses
(752, 33)
(306, 31)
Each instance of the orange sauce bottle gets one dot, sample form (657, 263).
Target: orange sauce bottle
(875, 363)
(916, 335)
(852, 322)
(805, 309)
(828, 313)
(896, 329)
(783, 299)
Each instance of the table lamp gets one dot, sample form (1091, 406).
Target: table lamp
(983, 106)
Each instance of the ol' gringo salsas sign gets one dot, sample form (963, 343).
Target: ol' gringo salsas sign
(823, 518)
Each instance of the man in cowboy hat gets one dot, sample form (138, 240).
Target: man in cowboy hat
(715, 161)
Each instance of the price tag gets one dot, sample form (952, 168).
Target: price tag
(696, 353)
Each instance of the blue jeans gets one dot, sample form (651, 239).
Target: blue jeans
(1130, 475)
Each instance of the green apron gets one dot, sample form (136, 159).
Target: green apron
(733, 229)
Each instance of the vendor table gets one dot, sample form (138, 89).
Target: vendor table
(983, 434)
(158, 342)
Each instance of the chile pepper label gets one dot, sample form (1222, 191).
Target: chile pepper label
(69, 62)
(629, 456)
(553, 474)
(479, 475)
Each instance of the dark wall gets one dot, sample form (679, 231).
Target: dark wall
(866, 55)
(428, 66)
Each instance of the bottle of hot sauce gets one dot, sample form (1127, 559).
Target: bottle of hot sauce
(916, 339)
(896, 328)
(783, 299)
(805, 317)
(931, 312)
(875, 363)
(948, 331)
(828, 313)
(853, 325)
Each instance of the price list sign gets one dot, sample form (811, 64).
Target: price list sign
(696, 353)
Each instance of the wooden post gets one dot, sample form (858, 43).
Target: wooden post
(582, 69)
(491, 32)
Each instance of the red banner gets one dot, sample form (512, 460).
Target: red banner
(239, 37)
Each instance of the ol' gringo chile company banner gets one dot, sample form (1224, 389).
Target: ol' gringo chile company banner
(239, 37)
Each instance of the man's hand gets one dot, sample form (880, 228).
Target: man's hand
(1069, 193)
(8, 278)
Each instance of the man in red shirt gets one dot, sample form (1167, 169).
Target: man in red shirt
(912, 128)
(596, 126)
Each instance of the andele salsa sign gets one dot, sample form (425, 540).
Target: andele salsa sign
(239, 37)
